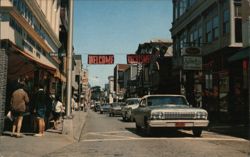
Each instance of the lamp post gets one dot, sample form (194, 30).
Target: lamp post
(69, 59)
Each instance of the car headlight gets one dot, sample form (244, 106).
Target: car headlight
(157, 115)
(200, 115)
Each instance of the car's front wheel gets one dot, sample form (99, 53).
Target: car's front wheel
(148, 129)
(138, 127)
(197, 132)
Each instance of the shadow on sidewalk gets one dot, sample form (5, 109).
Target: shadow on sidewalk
(241, 131)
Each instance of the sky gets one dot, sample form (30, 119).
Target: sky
(117, 27)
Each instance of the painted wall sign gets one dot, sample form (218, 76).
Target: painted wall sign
(135, 59)
(101, 59)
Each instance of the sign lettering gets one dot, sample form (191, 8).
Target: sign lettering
(100, 59)
(135, 59)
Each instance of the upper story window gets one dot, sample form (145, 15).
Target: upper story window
(209, 31)
(181, 6)
(226, 19)
(215, 27)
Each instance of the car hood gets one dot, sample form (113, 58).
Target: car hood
(175, 108)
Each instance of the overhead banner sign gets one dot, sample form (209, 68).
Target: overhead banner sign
(100, 59)
(135, 59)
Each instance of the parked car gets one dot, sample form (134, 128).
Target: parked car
(115, 109)
(104, 108)
(169, 111)
(130, 105)
(97, 107)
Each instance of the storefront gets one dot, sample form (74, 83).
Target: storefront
(239, 86)
(23, 66)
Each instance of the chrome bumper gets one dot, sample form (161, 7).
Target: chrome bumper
(178, 123)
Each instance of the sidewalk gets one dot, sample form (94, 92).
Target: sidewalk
(30, 146)
(241, 131)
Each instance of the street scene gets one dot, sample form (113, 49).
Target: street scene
(141, 78)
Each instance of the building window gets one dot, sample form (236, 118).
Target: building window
(238, 30)
(209, 31)
(16, 26)
(27, 46)
(30, 40)
(77, 78)
(237, 8)
(200, 36)
(215, 27)
(226, 18)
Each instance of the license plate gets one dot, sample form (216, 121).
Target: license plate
(180, 124)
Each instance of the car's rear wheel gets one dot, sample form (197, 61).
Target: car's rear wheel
(197, 132)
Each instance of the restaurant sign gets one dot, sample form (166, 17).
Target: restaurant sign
(192, 62)
(135, 59)
(100, 59)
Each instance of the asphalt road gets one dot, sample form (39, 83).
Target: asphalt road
(105, 136)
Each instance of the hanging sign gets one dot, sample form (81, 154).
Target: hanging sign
(192, 62)
(101, 59)
(135, 59)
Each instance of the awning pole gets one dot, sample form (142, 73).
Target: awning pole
(69, 60)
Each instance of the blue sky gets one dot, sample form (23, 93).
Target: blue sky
(117, 27)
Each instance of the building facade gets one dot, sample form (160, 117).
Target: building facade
(119, 82)
(205, 35)
(110, 91)
(155, 76)
(29, 34)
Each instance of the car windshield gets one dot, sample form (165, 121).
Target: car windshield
(166, 100)
(132, 101)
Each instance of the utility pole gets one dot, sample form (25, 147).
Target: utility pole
(69, 59)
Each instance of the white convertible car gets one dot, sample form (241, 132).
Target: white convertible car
(130, 105)
(169, 111)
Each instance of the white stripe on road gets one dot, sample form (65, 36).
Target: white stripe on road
(101, 134)
(185, 138)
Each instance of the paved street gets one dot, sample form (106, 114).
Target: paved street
(111, 137)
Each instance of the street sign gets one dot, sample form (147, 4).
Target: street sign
(135, 59)
(100, 59)
(192, 62)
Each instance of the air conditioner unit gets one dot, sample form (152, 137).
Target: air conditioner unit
(190, 51)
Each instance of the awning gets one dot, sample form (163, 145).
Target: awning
(242, 54)
(43, 63)
(60, 76)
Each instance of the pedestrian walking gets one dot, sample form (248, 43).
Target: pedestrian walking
(18, 102)
(57, 111)
(40, 102)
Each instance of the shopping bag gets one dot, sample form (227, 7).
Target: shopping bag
(9, 116)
